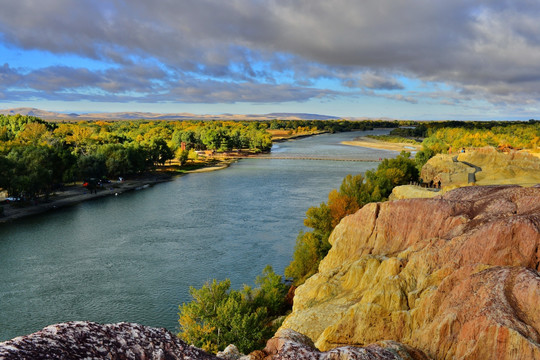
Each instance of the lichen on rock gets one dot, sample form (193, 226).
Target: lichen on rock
(123, 341)
(89, 340)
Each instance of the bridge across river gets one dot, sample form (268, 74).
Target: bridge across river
(307, 158)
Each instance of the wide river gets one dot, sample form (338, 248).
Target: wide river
(134, 257)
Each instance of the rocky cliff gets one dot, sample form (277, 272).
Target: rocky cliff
(454, 276)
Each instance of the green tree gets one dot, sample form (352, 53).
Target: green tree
(309, 250)
(92, 166)
(32, 172)
(422, 157)
(159, 152)
(6, 172)
(183, 156)
(319, 219)
(218, 316)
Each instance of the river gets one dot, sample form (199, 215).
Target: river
(133, 257)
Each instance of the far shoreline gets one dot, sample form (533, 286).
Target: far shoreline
(76, 194)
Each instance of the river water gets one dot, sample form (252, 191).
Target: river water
(134, 257)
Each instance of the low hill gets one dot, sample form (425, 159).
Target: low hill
(51, 115)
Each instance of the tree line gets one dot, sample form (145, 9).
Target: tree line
(37, 156)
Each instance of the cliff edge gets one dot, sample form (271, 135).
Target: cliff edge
(454, 276)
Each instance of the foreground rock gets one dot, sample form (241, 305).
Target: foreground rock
(455, 276)
(88, 340)
(288, 344)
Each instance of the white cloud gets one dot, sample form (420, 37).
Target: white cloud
(489, 49)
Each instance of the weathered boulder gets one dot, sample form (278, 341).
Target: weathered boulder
(89, 340)
(455, 277)
(289, 344)
(231, 352)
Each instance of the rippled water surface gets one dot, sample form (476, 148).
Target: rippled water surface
(133, 257)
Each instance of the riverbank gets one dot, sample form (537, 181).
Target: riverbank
(383, 145)
(75, 194)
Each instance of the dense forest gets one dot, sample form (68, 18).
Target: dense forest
(36, 156)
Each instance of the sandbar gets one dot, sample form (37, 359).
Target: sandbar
(378, 144)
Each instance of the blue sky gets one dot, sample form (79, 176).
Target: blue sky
(419, 59)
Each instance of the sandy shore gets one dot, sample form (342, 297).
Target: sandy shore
(378, 144)
(76, 194)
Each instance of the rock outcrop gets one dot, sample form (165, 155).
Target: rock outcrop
(88, 340)
(413, 192)
(454, 276)
(288, 344)
(497, 168)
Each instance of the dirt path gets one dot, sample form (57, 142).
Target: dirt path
(472, 176)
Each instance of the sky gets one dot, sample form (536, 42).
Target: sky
(415, 59)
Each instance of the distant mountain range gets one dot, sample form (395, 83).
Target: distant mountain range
(51, 115)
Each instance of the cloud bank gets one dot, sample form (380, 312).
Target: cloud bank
(213, 51)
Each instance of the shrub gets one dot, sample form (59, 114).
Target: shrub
(218, 316)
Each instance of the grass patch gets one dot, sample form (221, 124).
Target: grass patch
(395, 139)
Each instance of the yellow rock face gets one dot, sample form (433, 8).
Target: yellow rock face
(413, 192)
(456, 277)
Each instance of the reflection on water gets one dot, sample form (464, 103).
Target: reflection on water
(133, 257)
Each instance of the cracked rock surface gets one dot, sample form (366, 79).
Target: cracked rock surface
(453, 276)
